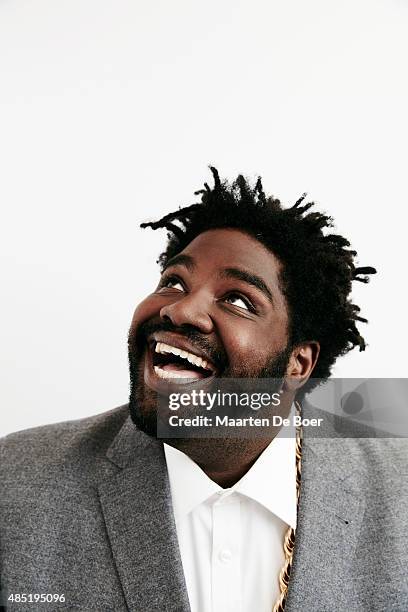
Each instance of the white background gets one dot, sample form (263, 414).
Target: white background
(111, 111)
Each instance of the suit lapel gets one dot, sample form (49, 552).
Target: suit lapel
(329, 519)
(137, 508)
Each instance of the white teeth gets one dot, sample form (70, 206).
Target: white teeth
(195, 360)
(163, 348)
(169, 374)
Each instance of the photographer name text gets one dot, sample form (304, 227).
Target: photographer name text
(251, 421)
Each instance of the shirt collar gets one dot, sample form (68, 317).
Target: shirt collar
(271, 481)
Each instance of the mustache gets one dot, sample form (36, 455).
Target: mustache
(137, 340)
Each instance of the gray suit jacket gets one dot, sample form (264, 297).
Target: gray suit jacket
(85, 510)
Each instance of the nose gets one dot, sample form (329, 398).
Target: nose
(191, 309)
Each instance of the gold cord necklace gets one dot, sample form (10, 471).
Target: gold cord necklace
(289, 539)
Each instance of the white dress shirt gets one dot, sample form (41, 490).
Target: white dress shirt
(231, 540)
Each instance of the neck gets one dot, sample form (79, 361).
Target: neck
(224, 461)
(229, 472)
(227, 460)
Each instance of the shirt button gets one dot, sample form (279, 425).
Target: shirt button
(225, 555)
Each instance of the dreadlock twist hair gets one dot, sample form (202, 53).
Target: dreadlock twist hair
(318, 267)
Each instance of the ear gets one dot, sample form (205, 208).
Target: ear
(301, 363)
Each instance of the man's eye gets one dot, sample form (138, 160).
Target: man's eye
(237, 300)
(172, 282)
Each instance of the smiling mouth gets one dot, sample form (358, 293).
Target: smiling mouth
(171, 362)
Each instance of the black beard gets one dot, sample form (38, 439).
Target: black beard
(143, 401)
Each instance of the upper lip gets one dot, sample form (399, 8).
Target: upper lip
(183, 344)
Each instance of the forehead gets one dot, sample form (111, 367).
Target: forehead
(227, 248)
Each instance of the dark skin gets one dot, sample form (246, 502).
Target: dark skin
(227, 288)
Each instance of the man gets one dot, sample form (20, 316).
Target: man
(102, 515)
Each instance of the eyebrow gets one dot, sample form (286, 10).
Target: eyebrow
(250, 278)
(181, 260)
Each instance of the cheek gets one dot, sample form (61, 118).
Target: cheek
(147, 309)
(254, 342)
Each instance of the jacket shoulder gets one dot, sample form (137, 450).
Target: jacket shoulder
(367, 456)
(49, 451)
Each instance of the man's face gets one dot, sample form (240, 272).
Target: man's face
(218, 311)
